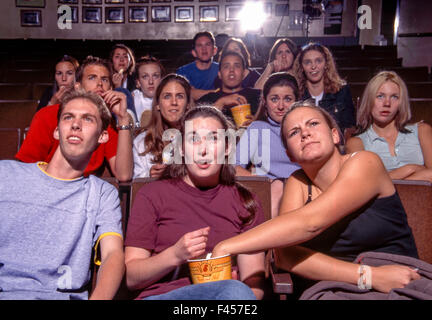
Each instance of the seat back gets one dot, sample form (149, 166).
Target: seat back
(9, 142)
(416, 198)
(15, 91)
(17, 113)
(421, 109)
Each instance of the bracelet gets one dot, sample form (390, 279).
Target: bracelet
(125, 127)
(365, 277)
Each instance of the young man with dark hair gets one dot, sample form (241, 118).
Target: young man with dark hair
(52, 216)
(202, 72)
(231, 72)
(94, 75)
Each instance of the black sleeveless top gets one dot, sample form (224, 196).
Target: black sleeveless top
(380, 225)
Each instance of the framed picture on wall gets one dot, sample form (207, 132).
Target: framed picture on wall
(92, 14)
(158, 1)
(114, 1)
(138, 1)
(209, 13)
(74, 11)
(138, 14)
(232, 12)
(31, 18)
(114, 15)
(184, 14)
(68, 1)
(161, 14)
(30, 3)
(92, 2)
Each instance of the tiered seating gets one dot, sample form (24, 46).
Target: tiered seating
(17, 115)
(25, 77)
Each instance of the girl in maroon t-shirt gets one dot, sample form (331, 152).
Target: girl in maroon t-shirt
(196, 204)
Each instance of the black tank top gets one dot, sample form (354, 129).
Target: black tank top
(380, 225)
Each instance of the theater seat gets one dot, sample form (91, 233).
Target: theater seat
(10, 139)
(421, 109)
(15, 91)
(416, 198)
(17, 113)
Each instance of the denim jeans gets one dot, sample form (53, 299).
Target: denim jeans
(218, 290)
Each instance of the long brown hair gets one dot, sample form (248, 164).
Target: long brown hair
(155, 128)
(131, 66)
(332, 81)
(66, 58)
(291, 45)
(278, 79)
(227, 173)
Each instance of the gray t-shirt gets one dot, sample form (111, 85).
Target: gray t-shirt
(48, 228)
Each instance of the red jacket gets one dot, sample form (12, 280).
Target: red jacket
(40, 145)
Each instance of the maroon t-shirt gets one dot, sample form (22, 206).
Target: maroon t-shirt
(163, 211)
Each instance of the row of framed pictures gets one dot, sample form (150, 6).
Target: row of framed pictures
(41, 3)
(136, 14)
(158, 14)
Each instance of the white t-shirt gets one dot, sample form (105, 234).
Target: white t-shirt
(142, 164)
(142, 103)
(316, 98)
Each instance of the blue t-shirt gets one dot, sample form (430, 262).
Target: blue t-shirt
(200, 79)
(407, 147)
(48, 227)
(262, 146)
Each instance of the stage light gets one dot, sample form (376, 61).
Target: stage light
(252, 16)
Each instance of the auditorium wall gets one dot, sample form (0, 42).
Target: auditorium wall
(11, 28)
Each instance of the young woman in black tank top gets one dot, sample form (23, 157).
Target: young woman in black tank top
(336, 207)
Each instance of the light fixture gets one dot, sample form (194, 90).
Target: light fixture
(252, 16)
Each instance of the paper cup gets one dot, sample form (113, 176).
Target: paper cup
(240, 112)
(212, 269)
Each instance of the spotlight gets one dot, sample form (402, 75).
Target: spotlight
(252, 16)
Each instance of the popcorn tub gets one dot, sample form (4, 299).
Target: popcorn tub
(210, 269)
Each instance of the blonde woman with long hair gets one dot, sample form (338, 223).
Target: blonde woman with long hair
(382, 121)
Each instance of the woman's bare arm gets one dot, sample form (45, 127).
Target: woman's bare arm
(365, 171)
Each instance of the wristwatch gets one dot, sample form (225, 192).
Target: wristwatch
(125, 127)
